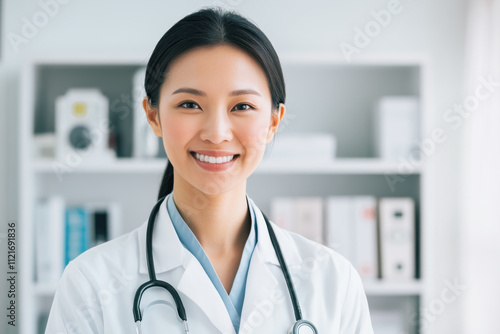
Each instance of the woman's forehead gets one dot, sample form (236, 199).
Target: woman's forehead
(221, 67)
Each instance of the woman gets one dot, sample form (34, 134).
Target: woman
(215, 94)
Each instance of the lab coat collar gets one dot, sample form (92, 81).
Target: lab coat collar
(169, 253)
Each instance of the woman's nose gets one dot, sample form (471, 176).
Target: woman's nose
(217, 127)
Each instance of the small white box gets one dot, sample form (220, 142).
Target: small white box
(312, 146)
(397, 128)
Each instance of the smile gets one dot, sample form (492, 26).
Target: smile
(213, 160)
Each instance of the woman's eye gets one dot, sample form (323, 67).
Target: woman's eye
(245, 104)
(188, 104)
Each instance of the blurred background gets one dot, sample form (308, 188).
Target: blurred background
(400, 100)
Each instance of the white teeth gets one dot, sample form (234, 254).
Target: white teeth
(213, 160)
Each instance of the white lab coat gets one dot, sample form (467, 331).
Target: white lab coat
(96, 291)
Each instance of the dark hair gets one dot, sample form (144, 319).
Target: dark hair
(209, 27)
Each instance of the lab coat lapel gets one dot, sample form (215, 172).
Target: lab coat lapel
(260, 289)
(197, 286)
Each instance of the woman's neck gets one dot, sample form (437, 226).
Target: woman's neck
(221, 222)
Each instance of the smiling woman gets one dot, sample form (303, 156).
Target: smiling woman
(215, 94)
(228, 114)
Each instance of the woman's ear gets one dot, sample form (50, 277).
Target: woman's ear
(276, 118)
(152, 116)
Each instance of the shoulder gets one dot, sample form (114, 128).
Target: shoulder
(111, 258)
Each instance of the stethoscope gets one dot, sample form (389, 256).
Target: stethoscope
(300, 326)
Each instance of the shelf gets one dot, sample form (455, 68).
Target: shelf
(122, 166)
(324, 96)
(384, 288)
(339, 166)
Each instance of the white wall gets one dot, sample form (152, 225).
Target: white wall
(430, 27)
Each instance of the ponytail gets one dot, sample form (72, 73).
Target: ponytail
(167, 183)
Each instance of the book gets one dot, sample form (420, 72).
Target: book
(77, 232)
(104, 221)
(49, 239)
(90, 224)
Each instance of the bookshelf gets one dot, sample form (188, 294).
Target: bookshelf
(324, 93)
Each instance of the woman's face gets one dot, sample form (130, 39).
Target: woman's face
(215, 101)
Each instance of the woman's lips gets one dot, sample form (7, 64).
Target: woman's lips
(215, 167)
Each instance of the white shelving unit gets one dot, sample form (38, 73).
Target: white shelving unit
(324, 93)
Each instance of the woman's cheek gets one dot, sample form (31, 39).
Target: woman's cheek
(176, 129)
(257, 136)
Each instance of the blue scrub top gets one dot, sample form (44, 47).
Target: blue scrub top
(233, 301)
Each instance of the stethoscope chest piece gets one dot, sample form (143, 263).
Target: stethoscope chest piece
(303, 327)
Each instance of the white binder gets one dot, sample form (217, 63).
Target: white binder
(282, 212)
(340, 228)
(309, 218)
(302, 215)
(397, 238)
(365, 220)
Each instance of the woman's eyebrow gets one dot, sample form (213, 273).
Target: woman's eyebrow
(198, 92)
